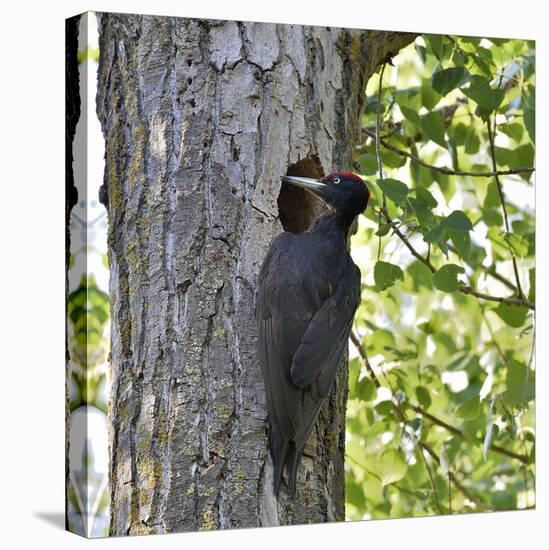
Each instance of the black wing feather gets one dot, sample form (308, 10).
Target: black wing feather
(304, 323)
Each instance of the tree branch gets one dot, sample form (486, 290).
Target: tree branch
(463, 289)
(490, 271)
(401, 415)
(452, 429)
(447, 171)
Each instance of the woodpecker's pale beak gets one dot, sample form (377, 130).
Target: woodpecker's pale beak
(306, 183)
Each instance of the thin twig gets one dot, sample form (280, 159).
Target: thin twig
(489, 271)
(378, 153)
(493, 273)
(492, 334)
(362, 352)
(455, 481)
(491, 139)
(431, 480)
(448, 171)
(415, 494)
(508, 301)
(459, 433)
(449, 492)
(405, 240)
(379, 236)
(378, 127)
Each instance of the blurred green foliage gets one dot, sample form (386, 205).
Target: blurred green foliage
(88, 315)
(88, 54)
(441, 406)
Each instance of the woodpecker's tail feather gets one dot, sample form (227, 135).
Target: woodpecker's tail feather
(294, 458)
(279, 449)
(284, 451)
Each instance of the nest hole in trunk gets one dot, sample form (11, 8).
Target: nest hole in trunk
(297, 207)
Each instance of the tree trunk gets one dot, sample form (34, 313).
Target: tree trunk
(201, 118)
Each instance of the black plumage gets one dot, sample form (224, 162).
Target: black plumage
(309, 290)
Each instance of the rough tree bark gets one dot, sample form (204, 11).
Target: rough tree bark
(200, 120)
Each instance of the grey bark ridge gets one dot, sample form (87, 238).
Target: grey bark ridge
(201, 118)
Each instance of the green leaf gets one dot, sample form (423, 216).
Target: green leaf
(492, 217)
(383, 229)
(386, 275)
(458, 221)
(448, 79)
(425, 196)
(492, 199)
(394, 189)
(421, 211)
(520, 382)
(462, 243)
(392, 159)
(370, 418)
(421, 275)
(436, 45)
(518, 243)
(384, 408)
(433, 128)
(423, 397)
(469, 410)
(507, 157)
(445, 278)
(483, 94)
(391, 467)
(514, 316)
(525, 156)
(354, 372)
(504, 500)
(529, 117)
(472, 142)
(491, 433)
(434, 234)
(532, 279)
(354, 493)
(459, 131)
(513, 130)
(429, 97)
(497, 236)
(410, 115)
(368, 164)
(365, 389)
(380, 339)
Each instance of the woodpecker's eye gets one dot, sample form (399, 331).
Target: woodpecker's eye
(336, 180)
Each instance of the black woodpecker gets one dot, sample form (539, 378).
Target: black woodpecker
(309, 290)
